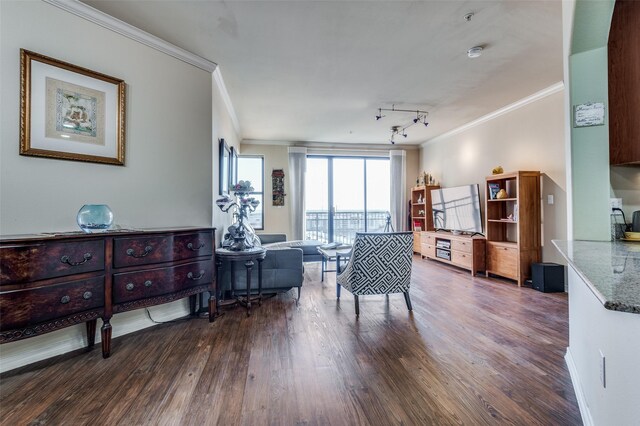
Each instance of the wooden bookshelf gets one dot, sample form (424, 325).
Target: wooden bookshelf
(421, 215)
(513, 225)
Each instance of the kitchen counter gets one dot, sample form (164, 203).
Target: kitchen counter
(611, 270)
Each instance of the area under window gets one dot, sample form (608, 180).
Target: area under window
(251, 168)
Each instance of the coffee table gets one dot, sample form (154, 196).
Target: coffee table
(332, 255)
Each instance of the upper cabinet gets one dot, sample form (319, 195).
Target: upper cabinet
(624, 84)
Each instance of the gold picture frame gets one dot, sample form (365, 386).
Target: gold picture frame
(70, 113)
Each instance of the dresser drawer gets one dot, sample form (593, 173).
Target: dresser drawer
(21, 308)
(502, 260)
(428, 239)
(428, 250)
(26, 263)
(462, 259)
(143, 250)
(193, 245)
(154, 282)
(462, 245)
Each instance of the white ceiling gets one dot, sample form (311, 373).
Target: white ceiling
(318, 70)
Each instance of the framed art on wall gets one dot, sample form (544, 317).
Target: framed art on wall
(69, 112)
(233, 167)
(225, 157)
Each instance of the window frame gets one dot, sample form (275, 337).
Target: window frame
(261, 157)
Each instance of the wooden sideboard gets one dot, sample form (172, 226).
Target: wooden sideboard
(52, 281)
(462, 251)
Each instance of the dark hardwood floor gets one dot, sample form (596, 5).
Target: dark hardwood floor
(474, 351)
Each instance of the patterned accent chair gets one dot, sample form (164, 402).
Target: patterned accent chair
(380, 263)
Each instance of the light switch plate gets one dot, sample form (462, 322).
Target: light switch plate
(550, 199)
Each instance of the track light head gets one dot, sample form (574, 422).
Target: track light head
(378, 117)
(426, 124)
(415, 120)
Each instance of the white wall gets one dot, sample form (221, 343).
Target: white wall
(168, 178)
(530, 137)
(594, 329)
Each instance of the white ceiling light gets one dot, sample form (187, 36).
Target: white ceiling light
(474, 52)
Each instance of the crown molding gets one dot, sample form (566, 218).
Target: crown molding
(109, 22)
(555, 88)
(217, 79)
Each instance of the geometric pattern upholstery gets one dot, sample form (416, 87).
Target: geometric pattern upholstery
(379, 263)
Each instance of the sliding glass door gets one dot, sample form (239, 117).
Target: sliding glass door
(345, 195)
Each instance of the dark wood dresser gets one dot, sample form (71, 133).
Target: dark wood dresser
(52, 281)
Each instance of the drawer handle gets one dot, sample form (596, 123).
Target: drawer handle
(87, 295)
(191, 277)
(129, 286)
(190, 246)
(148, 283)
(131, 252)
(65, 300)
(66, 259)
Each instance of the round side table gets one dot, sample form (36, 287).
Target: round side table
(247, 257)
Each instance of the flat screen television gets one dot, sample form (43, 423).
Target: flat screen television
(457, 209)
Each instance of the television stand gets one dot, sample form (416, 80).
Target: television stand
(463, 251)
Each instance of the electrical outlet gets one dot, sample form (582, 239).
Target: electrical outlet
(603, 370)
(615, 203)
(550, 199)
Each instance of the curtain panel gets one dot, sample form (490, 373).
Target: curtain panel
(297, 171)
(398, 167)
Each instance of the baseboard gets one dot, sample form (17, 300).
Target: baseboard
(577, 388)
(27, 351)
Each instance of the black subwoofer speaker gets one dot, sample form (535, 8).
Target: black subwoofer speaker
(547, 277)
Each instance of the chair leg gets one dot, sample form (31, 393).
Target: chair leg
(408, 300)
(299, 291)
(355, 298)
(338, 291)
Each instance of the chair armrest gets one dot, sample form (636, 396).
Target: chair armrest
(272, 238)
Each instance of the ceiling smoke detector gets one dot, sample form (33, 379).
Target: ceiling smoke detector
(474, 52)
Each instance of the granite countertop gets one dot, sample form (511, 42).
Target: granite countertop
(610, 268)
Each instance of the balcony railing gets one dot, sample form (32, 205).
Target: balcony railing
(346, 224)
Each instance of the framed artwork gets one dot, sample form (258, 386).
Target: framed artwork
(589, 114)
(70, 113)
(233, 167)
(494, 188)
(225, 157)
(277, 187)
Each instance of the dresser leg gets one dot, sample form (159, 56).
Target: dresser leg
(91, 332)
(106, 338)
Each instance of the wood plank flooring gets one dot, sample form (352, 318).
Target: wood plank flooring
(474, 351)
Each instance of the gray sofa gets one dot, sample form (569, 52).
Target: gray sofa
(282, 268)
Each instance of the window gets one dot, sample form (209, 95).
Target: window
(345, 195)
(251, 168)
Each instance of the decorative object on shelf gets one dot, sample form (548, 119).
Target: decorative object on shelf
(421, 117)
(420, 200)
(502, 194)
(94, 218)
(225, 157)
(497, 170)
(421, 213)
(277, 187)
(241, 235)
(494, 188)
(70, 113)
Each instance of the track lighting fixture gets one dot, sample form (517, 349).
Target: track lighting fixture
(421, 117)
